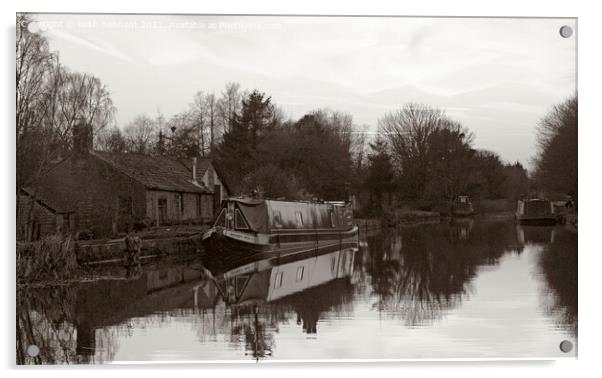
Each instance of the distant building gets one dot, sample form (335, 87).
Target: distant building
(106, 193)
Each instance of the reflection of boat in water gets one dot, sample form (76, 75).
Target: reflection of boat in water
(460, 228)
(250, 226)
(273, 279)
(535, 235)
(535, 211)
(462, 207)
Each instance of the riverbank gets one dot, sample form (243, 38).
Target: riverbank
(59, 259)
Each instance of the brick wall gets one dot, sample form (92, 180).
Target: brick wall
(96, 190)
(174, 212)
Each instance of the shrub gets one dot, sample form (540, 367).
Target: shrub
(53, 257)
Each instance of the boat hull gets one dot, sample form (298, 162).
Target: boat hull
(537, 220)
(462, 214)
(224, 248)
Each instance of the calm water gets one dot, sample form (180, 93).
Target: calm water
(470, 289)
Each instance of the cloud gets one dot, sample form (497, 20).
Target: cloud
(98, 44)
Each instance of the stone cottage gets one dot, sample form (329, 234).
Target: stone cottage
(108, 193)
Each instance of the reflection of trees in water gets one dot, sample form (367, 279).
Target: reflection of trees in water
(250, 328)
(558, 263)
(46, 317)
(254, 325)
(421, 272)
(65, 321)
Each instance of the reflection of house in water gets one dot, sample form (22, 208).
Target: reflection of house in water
(257, 297)
(89, 306)
(535, 234)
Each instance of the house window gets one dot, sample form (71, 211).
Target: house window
(278, 282)
(300, 271)
(199, 206)
(299, 217)
(162, 206)
(125, 205)
(181, 202)
(239, 221)
(332, 220)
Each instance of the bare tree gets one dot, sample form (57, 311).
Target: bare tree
(229, 105)
(422, 140)
(211, 105)
(408, 129)
(111, 140)
(34, 67)
(141, 134)
(80, 97)
(199, 115)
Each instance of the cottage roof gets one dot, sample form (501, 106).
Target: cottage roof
(154, 172)
(50, 198)
(202, 166)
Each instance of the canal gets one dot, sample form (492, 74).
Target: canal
(455, 289)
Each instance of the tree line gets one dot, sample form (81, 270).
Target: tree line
(426, 157)
(420, 154)
(50, 100)
(557, 155)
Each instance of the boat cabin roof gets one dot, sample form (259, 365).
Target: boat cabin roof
(267, 215)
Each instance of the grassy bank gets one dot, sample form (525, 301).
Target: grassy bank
(52, 258)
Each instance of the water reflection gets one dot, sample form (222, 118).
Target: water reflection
(558, 264)
(421, 272)
(411, 278)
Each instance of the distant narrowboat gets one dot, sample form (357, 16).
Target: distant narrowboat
(536, 211)
(462, 207)
(250, 226)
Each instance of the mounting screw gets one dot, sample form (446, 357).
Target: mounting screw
(566, 346)
(33, 350)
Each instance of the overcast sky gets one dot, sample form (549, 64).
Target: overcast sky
(496, 76)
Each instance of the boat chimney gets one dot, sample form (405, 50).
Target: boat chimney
(194, 169)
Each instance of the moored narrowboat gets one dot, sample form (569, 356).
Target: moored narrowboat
(462, 207)
(536, 211)
(248, 226)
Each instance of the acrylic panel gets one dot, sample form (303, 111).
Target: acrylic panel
(268, 188)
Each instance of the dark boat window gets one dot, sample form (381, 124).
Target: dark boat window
(333, 262)
(239, 221)
(221, 219)
(299, 219)
(538, 207)
(277, 219)
(278, 282)
(300, 271)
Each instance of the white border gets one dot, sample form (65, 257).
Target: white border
(589, 185)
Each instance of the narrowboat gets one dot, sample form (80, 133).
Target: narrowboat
(248, 226)
(462, 207)
(536, 211)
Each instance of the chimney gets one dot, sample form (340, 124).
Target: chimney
(194, 169)
(82, 138)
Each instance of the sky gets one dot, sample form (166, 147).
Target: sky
(497, 76)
